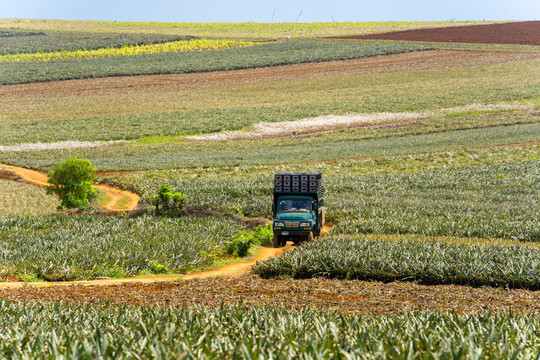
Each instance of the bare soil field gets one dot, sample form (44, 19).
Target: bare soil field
(523, 33)
(350, 296)
(421, 60)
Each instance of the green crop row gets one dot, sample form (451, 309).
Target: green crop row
(288, 151)
(18, 199)
(498, 200)
(236, 332)
(16, 41)
(406, 258)
(162, 128)
(281, 53)
(486, 201)
(147, 182)
(85, 247)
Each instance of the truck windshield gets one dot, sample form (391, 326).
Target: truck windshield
(291, 205)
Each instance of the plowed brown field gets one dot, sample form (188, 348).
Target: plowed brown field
(350, 296)
(523, 33)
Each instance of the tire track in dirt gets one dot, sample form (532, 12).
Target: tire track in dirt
(116, 199)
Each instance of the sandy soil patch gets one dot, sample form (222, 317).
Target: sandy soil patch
(60, 145)
(332, 122)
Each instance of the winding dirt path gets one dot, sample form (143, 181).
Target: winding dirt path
(116, 199)
(229, 270)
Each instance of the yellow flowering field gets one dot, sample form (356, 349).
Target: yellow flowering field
(175, 46)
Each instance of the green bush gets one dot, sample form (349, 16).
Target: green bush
(72, 181)
(157, 268)
(240, 244)
(169, 203)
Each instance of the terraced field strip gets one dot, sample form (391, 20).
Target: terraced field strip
(118, 200)
(410, 61)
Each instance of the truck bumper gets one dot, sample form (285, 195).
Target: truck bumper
(292, 232)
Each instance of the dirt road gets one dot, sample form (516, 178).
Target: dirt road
(229, 270)
(116, 199)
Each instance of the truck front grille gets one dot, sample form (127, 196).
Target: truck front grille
(292, 223)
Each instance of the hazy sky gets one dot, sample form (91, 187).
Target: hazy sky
(276, 10)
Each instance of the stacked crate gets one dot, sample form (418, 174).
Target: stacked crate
(298, 182)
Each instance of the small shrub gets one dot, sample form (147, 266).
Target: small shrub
(169, 203)
(157, 268)
(240, 244)
(30, 277)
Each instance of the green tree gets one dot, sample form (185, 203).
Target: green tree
(72, 181)
(169, 203)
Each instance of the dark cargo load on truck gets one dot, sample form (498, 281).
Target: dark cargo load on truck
(304, 182)
(297, 206)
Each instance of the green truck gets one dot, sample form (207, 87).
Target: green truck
(298, 207)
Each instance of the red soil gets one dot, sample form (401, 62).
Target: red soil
(524, 33)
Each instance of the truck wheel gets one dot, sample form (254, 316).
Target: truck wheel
(276, 241)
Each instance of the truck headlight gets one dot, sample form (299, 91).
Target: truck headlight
(305, 224)
(279, 224)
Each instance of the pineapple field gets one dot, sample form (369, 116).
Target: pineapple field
(428, 138)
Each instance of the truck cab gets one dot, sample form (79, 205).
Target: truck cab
(298, 213)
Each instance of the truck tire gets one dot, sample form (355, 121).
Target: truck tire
(276, 241)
